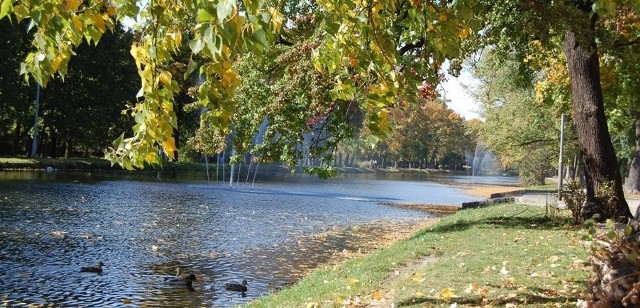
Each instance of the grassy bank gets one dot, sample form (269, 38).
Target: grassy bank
(18, 163)
(99, 164)
(499, 255)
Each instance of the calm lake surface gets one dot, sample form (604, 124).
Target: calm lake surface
(270, 233)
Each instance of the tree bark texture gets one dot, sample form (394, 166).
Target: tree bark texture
(633, 179)
(598, 153)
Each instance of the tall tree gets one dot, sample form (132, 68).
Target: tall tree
(390, 30)
(522, 133)
(82, 114)
(16, 97)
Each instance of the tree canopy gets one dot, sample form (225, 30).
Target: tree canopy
(372, 54)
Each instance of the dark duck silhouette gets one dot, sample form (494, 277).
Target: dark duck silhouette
(92, 269)
(236, 286)
(186, 280)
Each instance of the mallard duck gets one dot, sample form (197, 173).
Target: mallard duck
(237, 287)
(186, 280)
(179, 274)
(92, 269)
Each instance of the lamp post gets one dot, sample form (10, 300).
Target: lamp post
(560, 162)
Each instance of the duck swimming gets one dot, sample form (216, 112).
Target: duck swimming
(179, 274)
(237, 287)
(92, 269)
(186, 280)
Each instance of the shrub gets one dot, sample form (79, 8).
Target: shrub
(574, 197)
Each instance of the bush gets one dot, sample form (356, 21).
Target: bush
(574, 197)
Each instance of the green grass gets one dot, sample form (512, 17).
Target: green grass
(504, 254)
(58, 163)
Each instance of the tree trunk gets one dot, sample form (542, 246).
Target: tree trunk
(600, 161)
(17, 139)
(633, 180)
(67, 148)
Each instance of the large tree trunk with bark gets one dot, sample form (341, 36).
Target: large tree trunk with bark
(599, 156)
(633, 179)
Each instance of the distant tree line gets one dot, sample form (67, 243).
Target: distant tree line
(77, 116)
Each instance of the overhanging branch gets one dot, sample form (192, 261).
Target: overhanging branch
(530, 142)
(411, 46)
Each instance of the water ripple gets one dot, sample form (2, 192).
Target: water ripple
(271, 235)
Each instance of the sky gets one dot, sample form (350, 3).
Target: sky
(455, 92)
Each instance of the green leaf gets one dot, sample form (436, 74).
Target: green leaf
(21, 12)
(190, 68)
(610, 223)
(224, 8)
(632, 257)
(262, 37)
(5, 8)
(252, 5)
(196, 45)
(205, 16)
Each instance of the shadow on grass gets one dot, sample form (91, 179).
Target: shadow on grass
(532, 298)
(537, 222)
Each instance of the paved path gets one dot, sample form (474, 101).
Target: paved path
(544, 198)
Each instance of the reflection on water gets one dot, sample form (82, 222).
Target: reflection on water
(270, 234)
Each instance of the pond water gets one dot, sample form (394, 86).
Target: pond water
(270, 234)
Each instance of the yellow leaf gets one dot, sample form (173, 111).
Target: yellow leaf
(72, 4)
(230, 79)
(169, 146)
(151, 157)
(98, 21)
(111, 10)
(177, 37)
(418, 278)
(165, 78)
(446, 294)
(77, 22)
(167, 106)
(55, 64)
(276, 19)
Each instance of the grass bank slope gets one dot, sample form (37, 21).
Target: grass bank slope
(503, 255)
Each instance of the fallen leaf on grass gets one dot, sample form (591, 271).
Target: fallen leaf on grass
(377, 295)
(446, 294)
